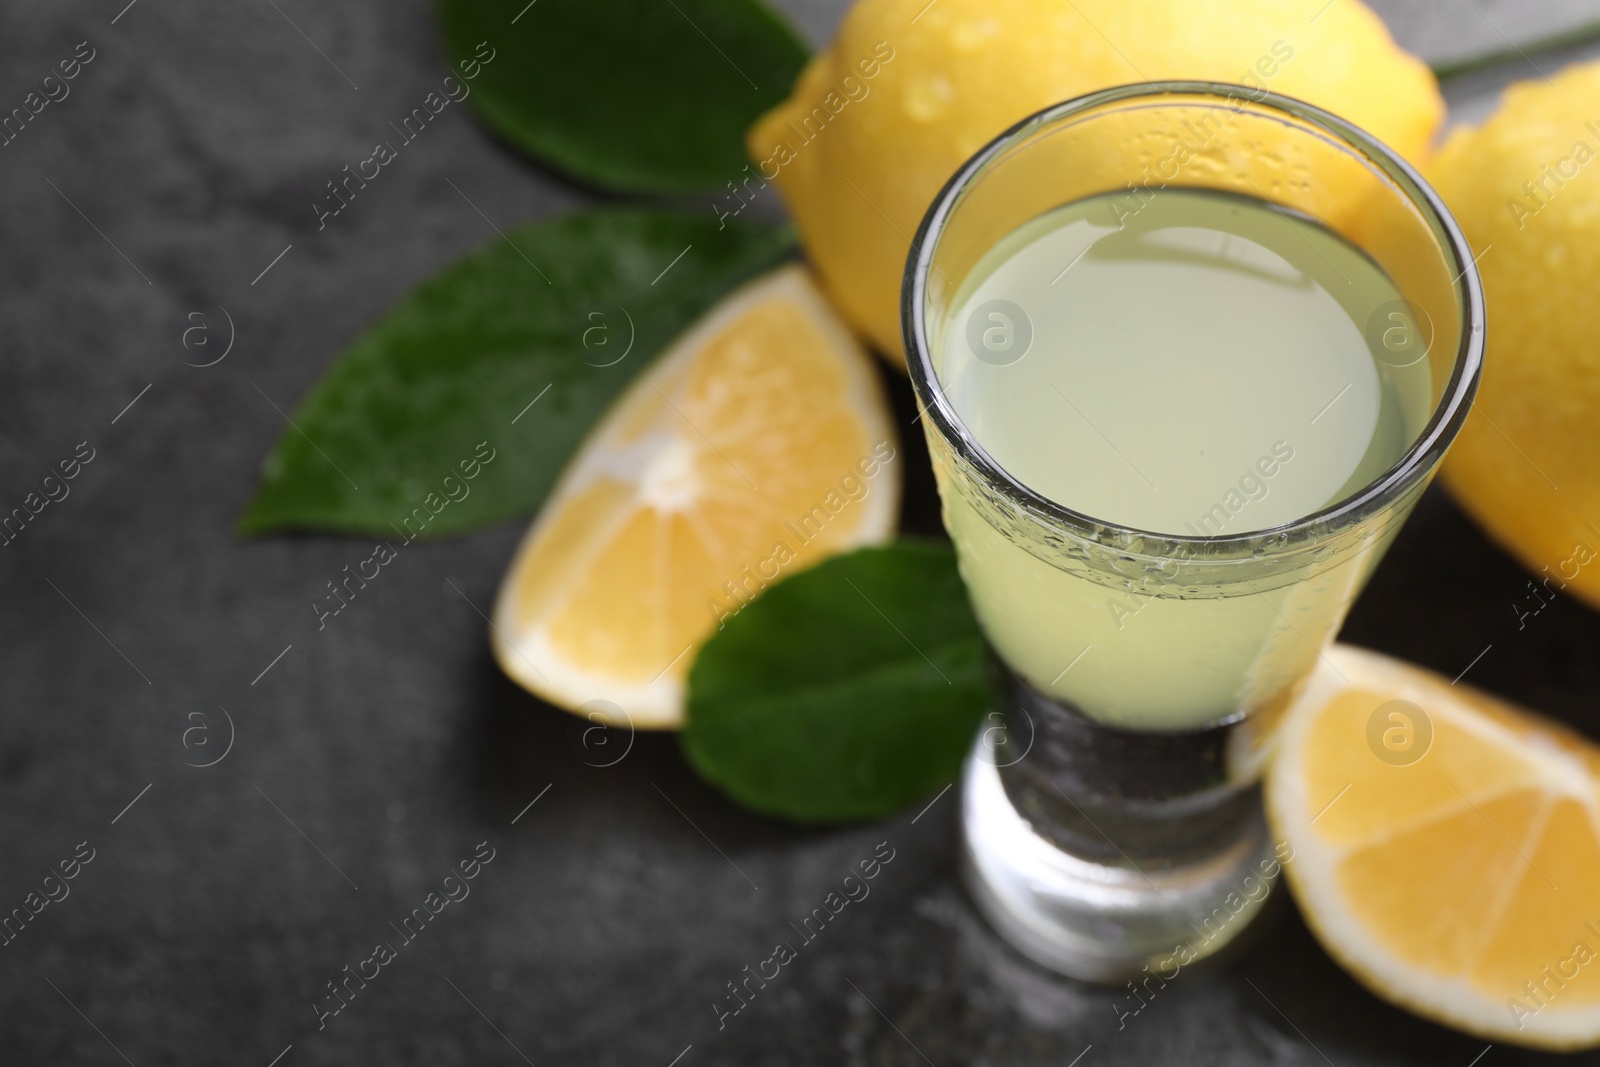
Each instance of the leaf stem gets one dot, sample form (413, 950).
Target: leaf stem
(1581, 34)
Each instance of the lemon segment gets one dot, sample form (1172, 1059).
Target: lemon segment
(1446, 848)
(757, 445)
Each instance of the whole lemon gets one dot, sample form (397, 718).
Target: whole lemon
(909, 90)
(1525, 187)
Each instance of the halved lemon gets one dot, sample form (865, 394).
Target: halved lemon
(758, 444)
(1446, 848)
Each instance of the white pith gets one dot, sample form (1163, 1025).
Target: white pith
(1313, 873)
(660, 466)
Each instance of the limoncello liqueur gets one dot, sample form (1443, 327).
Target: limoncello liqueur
(1198, 364)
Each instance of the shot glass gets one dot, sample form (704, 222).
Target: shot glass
(1111, 812)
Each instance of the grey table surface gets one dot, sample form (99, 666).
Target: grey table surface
(372, 756)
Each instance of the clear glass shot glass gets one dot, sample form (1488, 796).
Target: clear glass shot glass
(1111, 812)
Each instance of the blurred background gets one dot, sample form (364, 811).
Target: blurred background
(170, 191)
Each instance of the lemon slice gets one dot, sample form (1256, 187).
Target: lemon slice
(1446, 848)
(758, 444)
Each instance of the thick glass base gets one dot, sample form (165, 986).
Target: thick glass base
(1099, 852)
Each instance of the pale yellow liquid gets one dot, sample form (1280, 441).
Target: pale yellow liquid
(1199, 365)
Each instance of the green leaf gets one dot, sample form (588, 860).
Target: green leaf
(650, 96)
(844, 692)
(533, 316)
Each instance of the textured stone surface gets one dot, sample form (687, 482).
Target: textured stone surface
(380, 751)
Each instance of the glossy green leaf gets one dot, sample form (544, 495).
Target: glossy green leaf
(514, 350)
(648, 96)
(844, 692)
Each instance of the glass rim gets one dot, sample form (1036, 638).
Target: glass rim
(1449, 414)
